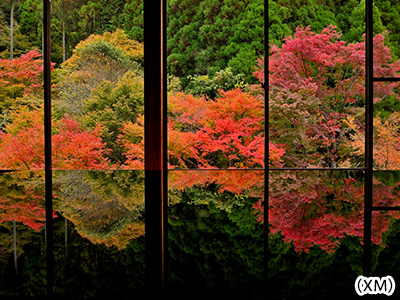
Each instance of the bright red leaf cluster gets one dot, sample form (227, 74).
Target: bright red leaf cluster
(21, 75)
(73, 147)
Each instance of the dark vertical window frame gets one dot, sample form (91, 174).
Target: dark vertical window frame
(155, 116)
(370, 80)
(47, 146)
(368, 136)
(266, 145)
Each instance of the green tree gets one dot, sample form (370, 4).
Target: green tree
(183, 41)
(98, 16)
(63, 11)
(390, 16)
(12, 42)
(113, 104)
(223, 80)
(31, 14)
(99, 58)
(356, 27)
(313, 13)
(133, 19)
(246, 44)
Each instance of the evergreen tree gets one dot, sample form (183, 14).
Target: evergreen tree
(390, 15)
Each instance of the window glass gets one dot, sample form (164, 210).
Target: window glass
(22, 211)
(98, 148)
(386, 126)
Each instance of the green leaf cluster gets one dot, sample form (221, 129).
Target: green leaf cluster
(113, 104)
(222, 80)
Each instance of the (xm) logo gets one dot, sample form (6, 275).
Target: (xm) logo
(375, 285)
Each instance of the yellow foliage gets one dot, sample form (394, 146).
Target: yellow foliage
(386, 140)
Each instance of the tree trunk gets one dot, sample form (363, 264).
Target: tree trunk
(66, 236)
(15, 247)
(45, 234)
(12, 31)
(43, 42)
(63, 40)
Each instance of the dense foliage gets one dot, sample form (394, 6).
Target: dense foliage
(204, 36)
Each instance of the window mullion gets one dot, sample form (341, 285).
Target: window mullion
(368, 137)
(47, 146)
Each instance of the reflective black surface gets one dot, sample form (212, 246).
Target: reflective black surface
(215, 234)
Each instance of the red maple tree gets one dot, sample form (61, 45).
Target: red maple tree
(316, 82)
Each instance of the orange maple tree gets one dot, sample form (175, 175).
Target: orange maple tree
(22, 143)
(227, 132)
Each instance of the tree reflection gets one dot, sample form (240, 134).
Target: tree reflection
(21, 198)
(105, 207)
(22, 213)
(307, 208)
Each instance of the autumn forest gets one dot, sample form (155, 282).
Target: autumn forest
(216, 143)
